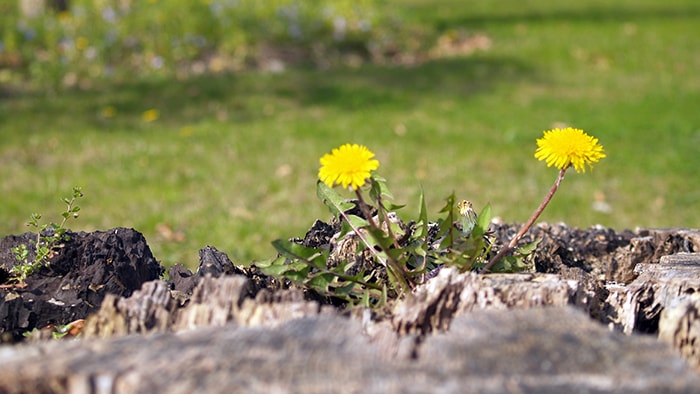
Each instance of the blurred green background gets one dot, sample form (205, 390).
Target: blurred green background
(202, 122)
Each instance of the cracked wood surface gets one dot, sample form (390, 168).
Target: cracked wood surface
(530, 332)
(495, 333)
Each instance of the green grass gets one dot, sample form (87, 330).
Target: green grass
(232, 160)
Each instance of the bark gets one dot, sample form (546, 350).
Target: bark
(555, 349)
(226, 328)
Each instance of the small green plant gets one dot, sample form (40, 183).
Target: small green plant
(376, 256)
(49, 237)
(69, 330)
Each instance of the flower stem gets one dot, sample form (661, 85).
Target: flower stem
(393, 267)
(365, 209)
(514, 241)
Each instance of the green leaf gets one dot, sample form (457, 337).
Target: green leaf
(513, 264)
(379, 188)
(484, 218)
(380, 191)
(292, 250)
(422, 217)
(345, 290)
(273, 267)
(321, 281)
(334, 201)
(269, 262)
(528, 248)
(365, 299)
(356, 221)
(385, 296)
(297, 273)
(379, 238)
(447, 225)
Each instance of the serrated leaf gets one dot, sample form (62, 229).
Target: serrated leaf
(274, 270)
(299, 275)
(446, 229)
(270, 262)
(321, 281)
(345, 290)
(357, 221)
(528, 248)
(294, 251)
(422, 216)
(379, 188)
(379, 238)
(449, 207)
(334, 201)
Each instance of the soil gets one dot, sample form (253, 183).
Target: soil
(91, 265)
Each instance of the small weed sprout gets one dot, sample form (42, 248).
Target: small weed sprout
(49, 238)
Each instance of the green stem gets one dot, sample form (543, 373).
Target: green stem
(513, 242)
(393, 267)
(349, 278)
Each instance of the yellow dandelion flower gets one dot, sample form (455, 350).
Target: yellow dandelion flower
(81, 43)
(64, 16)
(108, 112)
(349, 166)
(569, 146)
(150, 115)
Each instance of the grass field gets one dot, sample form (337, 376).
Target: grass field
(231, 161)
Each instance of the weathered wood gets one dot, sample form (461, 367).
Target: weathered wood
(680, 326)
(432, 306)
(214, 302)
(664, 300)
(534, 332)
(553, 349)
(679, 294)
(638, 306)
(535, 350)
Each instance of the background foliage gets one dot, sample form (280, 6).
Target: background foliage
(450, 95)
(115, 39)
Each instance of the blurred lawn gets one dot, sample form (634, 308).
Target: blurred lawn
(231, 161)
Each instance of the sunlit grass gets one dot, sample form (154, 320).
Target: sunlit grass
(231, 161)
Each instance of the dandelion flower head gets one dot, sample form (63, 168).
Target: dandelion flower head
(348, 165)
(569, 147)
(150, 115)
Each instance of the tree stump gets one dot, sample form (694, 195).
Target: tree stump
(228, 328)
